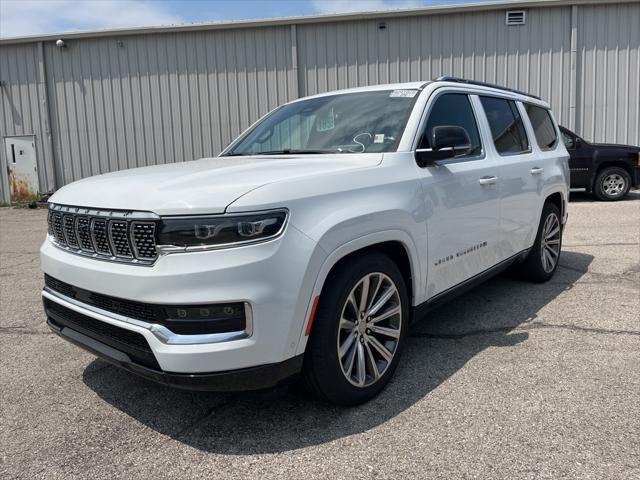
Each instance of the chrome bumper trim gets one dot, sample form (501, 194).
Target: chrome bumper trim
(162, 333)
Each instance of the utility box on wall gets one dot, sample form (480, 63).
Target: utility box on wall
(22, 167)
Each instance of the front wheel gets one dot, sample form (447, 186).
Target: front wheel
(358, 331)
(543, 258)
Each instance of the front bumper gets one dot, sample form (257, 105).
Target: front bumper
(275, 279)
(253, 378)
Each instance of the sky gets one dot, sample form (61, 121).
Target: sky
(32, 17)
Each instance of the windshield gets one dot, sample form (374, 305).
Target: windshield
(344, 123)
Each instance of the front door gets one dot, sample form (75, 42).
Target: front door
(580, 160)
(461, 196)
(22, 167)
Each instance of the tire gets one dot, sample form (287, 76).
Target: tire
(543, 258)
(612, 183)
(340, 323)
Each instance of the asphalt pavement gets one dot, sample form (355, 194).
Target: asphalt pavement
(511, 380)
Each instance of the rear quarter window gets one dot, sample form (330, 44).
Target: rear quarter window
(543, 127)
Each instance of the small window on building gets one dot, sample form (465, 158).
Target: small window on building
(453, 109)
(506, 125)
(542, 127)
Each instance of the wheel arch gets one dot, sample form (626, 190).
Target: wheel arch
(396, 244)
(608, 164)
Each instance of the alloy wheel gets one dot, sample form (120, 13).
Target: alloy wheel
(550, 242)
(369, 330)
(614, 185)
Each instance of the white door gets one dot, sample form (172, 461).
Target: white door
(462, 197)
(520, 174)
(22, 167)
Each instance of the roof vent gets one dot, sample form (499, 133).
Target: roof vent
(516, 17)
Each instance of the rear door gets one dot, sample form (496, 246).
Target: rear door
(521, 174)
(461, 197)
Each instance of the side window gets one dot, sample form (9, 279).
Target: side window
(506, 125)
(568, 140)
(542, 127)
(452, 109)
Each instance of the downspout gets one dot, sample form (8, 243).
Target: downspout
(49, 152)
(573, 82)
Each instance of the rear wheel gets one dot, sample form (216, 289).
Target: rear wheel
(543, 258)
(358, 331)
(612, 183)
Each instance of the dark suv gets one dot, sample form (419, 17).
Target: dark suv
(608, 171)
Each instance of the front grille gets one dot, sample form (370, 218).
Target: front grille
(121, 236)
(131, 343)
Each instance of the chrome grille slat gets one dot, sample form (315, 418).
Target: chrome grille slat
(58, 232)
(83, 232)
(143, 235)
(99, 235)
(68, 225)
(118, 236)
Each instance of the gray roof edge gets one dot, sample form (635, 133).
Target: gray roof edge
(334, 17)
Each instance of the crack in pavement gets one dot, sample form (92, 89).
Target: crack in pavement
(199, 421)
(531, 326)
(17, 330)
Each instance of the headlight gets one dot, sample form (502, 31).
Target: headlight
(202, 232)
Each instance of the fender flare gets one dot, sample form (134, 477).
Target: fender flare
(352, 246)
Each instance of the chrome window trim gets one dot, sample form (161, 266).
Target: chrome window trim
(517, 103)
(440, 91)
(160, 332)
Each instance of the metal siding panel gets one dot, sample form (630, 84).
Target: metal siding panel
(168, 97)
(476, 45)
(21, 111)
(609, 55)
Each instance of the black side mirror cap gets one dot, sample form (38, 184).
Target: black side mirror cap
(427, 157)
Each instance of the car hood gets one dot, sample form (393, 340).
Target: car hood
(202, 186)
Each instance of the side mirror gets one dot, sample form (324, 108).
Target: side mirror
(447, 141)
(577, 143)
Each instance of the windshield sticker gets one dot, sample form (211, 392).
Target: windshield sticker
(403, 94)
(378, 138)
(326, 122)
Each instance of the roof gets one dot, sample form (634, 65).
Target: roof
(338, 17)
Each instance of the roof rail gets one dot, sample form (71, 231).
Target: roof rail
(446, 78)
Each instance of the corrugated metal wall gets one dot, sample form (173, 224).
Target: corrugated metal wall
(608, 109)
(534, 57)
(141, 100)
(121, 102)
(22, 109)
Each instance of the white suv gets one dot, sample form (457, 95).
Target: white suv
(311, 242)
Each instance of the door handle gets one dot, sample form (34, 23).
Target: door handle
(536, 170)
(486, 180)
